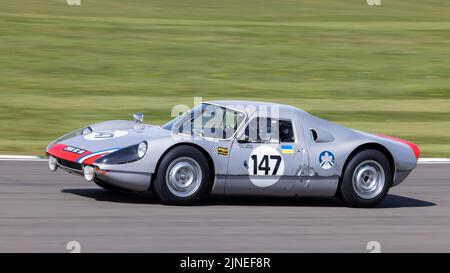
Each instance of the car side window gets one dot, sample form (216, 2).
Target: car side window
(286, 131)
(269, 130)
(262, 130)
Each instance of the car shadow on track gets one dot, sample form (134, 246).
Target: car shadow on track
(391, 200)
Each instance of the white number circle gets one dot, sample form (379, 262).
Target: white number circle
(102, 135)
(265, 166)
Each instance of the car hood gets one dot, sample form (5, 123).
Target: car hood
(105, 138)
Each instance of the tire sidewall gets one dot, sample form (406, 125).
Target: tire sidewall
(160, 186)
(348, 193)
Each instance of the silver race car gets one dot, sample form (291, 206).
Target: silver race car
(237, 148)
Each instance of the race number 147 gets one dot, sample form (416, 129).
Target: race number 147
(261, 165)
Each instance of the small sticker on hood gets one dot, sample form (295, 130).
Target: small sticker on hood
(74, 150)
(102, 135)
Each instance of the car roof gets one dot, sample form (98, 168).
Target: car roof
(249, 106)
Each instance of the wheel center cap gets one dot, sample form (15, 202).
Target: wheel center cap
(183, 176)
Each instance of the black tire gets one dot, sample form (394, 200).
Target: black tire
(347, 190)
(109, 187)
(161, 183)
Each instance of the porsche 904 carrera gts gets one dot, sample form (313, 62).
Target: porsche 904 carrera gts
(237, 148)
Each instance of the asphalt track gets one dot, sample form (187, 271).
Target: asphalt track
(42, 211)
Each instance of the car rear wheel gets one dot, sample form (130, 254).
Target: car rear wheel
(366, 180)
(182, 176)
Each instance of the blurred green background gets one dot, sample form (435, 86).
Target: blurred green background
(382, 69)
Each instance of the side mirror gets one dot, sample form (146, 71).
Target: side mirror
(138, 117)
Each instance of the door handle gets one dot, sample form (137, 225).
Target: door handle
(245, 164)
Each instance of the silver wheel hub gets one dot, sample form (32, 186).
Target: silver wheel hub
(183, 177)
(368, 179)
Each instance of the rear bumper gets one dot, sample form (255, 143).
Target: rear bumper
(400, 176)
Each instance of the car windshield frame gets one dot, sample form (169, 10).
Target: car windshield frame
(191, 111)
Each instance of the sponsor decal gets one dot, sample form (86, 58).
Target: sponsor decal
(108, 134)
(265, 166)
(74, 150)
(326, 160)
(60, 151)
(222, 150)
(287, 149)
(245, 146)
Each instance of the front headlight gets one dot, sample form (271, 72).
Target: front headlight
(89, 173)
(142, 149)
(125, 155)
(52, 163)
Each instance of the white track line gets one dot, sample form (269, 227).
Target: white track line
(40, 158)
(434, 161)
(21, 158)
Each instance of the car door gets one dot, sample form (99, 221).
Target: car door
(265, 159)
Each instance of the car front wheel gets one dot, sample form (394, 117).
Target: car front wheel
(366, 180)
(182, 176)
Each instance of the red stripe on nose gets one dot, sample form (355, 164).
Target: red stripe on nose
(90, 160)
(57, 150)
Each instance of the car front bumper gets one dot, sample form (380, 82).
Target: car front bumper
(115, 175)
(135, 181)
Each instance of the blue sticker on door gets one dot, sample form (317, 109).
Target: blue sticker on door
(326, 160)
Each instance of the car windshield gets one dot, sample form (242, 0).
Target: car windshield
(207, 120)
